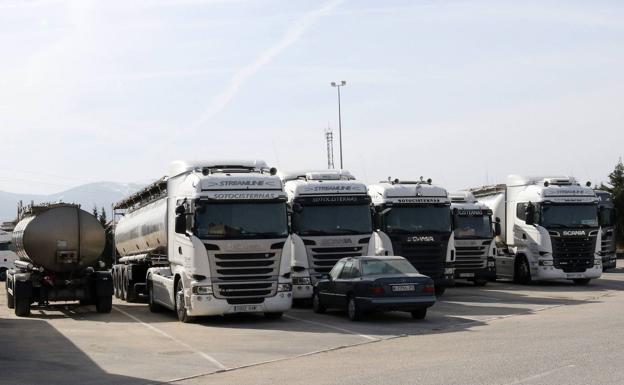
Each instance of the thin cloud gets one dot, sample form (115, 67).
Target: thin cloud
(240, 77)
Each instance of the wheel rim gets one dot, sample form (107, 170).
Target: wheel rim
(351, 309)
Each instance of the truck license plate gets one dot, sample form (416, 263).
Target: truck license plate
(403, 288)
(466, 275)
(574, 275)
(245, 308)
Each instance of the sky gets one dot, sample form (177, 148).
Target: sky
(463, 92)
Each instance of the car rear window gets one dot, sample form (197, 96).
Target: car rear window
(388, 266)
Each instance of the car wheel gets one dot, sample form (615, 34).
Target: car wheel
(317, 305)
(273, 316)
(419, 314)
(180, 306)
(353, 311)
(581, 281)
(523, 271)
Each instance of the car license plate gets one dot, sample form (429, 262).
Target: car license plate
(403, 288)
(466, 275)
(245, 308)
(574, 275)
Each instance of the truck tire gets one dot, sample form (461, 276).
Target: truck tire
(419, 314)
(353, 310)
(581, 281)
(131, 294)
(522, 271)
(10, 300)
(104, 304)
(152, 305)
(22, 305)
(180, 307)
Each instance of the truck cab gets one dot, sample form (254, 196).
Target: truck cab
(474, 230)
(7, 254)
(211, 241)
(550, 229)
(413, 220)
(606, 218)
(331, 219)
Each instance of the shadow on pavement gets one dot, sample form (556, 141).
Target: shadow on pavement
(33, 352)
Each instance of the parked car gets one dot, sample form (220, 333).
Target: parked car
(380, 283)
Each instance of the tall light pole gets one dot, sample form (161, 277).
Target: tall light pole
(338, 85)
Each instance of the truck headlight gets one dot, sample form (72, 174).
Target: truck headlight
(301, 281)
(545, 262)
(284, 287)
(202, 290)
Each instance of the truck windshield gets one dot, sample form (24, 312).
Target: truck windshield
(333, 220)
(578, 215)
(607, 217)
(469, 226)
(418, 219)
(241, 220)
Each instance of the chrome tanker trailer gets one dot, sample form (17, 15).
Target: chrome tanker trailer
(59, 246)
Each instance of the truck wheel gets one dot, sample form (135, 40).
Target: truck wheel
(353, 311)
(131, 294)
(153, 306)
(523, 271)
(22, 305)
(104, 304)
(317, 306)
(10, 300)
(180, 306)
(581, 281)
(419, 314)
(480, 282)
(273, 316)
(439, 290)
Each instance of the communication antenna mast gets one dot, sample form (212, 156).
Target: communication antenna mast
(329, 137)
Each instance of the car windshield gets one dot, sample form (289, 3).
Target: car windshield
(241, 220)
(333, 220)
(417, 219)
(569, 216)
(473, 226)
(386, 266)
(607, 217)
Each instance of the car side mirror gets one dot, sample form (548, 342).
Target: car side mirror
(529, 212)
(180, 223)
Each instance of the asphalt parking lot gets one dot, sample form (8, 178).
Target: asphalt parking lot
(68, 344)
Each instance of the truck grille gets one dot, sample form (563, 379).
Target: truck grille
(573, 254)
(243, 276)
(471, 257)
(428, 258)
(323, 259)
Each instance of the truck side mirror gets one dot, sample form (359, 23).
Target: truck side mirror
(529, 212)
(180, 223)
(497, 229)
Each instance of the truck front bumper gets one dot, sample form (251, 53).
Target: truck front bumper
(547, 273)
(207, 305)
(484, 273)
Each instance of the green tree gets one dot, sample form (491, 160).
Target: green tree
(616, 188)
(107, 255)
(95, 211)
(102, 218)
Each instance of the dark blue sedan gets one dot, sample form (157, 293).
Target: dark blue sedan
(367, 284)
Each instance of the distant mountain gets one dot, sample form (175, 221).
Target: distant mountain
(100, 194)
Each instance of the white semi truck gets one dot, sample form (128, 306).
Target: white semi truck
(7, 254)
(474, 230)
(550, 229)
(413, 220)
(330, 219)
(206, 240)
